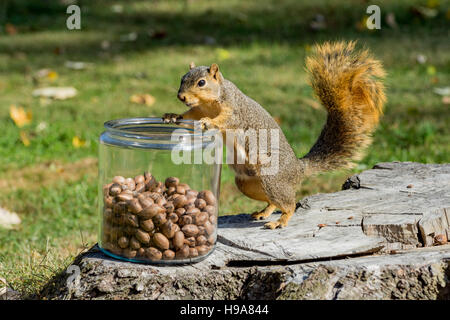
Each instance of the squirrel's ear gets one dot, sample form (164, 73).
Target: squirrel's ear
(191, 65)
(214, 71)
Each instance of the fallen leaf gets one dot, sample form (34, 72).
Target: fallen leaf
(446, 100)
(117, 8)
(146, 99)
(58, 93)
(431, 70)
(35, 255)
(105, 45)
(52, 75)
(157, 34)
(241, 17)
(20, 116)
(77, 65)
(24, 138)
(41, 126)
(77, 142)
(44, 101)
(58, 50)
(129, 37)
(20, 55)
(362, 24)
(278, 120)
(10, 29)
(390, 20)
(8, 219)
(223, 54)
(46, 74)
(442, 91)
(421, 58)
(424, 12)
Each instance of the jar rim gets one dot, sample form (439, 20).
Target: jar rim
(152, 132)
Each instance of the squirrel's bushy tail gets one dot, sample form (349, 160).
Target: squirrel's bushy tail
(348, 85)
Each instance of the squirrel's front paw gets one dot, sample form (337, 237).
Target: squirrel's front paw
(171, 117)
(205, 123)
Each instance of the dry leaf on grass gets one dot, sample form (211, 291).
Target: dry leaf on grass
(146, 99)
(129, 37)
(41, 126)
(421, 58)
(10, 29)
(46, 74)
(445, 91)
(77, 142)
(8, 219)
(431, 70)
(278, 120)
(446, 100)
(223, 54)
(19, 115)
(58, 93)
(117, 8)
(362, 24)
(390, 20)
(24, 138)
(77, 65)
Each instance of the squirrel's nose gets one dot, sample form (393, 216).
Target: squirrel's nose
(181, 97)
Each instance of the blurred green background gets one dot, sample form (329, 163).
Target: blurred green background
(133, 54)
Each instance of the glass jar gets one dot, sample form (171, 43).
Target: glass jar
(158, 190)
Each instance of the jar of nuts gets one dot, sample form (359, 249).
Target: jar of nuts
(158, 190)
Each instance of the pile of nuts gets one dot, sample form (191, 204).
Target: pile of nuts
(146, 219)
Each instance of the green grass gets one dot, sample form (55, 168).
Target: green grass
(260, 46)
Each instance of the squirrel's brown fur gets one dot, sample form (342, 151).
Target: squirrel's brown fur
(344, 81)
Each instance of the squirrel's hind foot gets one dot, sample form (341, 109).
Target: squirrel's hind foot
(282, 222)
(275, 224)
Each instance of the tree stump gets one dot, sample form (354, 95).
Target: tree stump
(382, 237)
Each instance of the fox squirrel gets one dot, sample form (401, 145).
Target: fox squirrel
(346, 82)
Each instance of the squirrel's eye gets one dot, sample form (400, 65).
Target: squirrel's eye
(201, 83)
